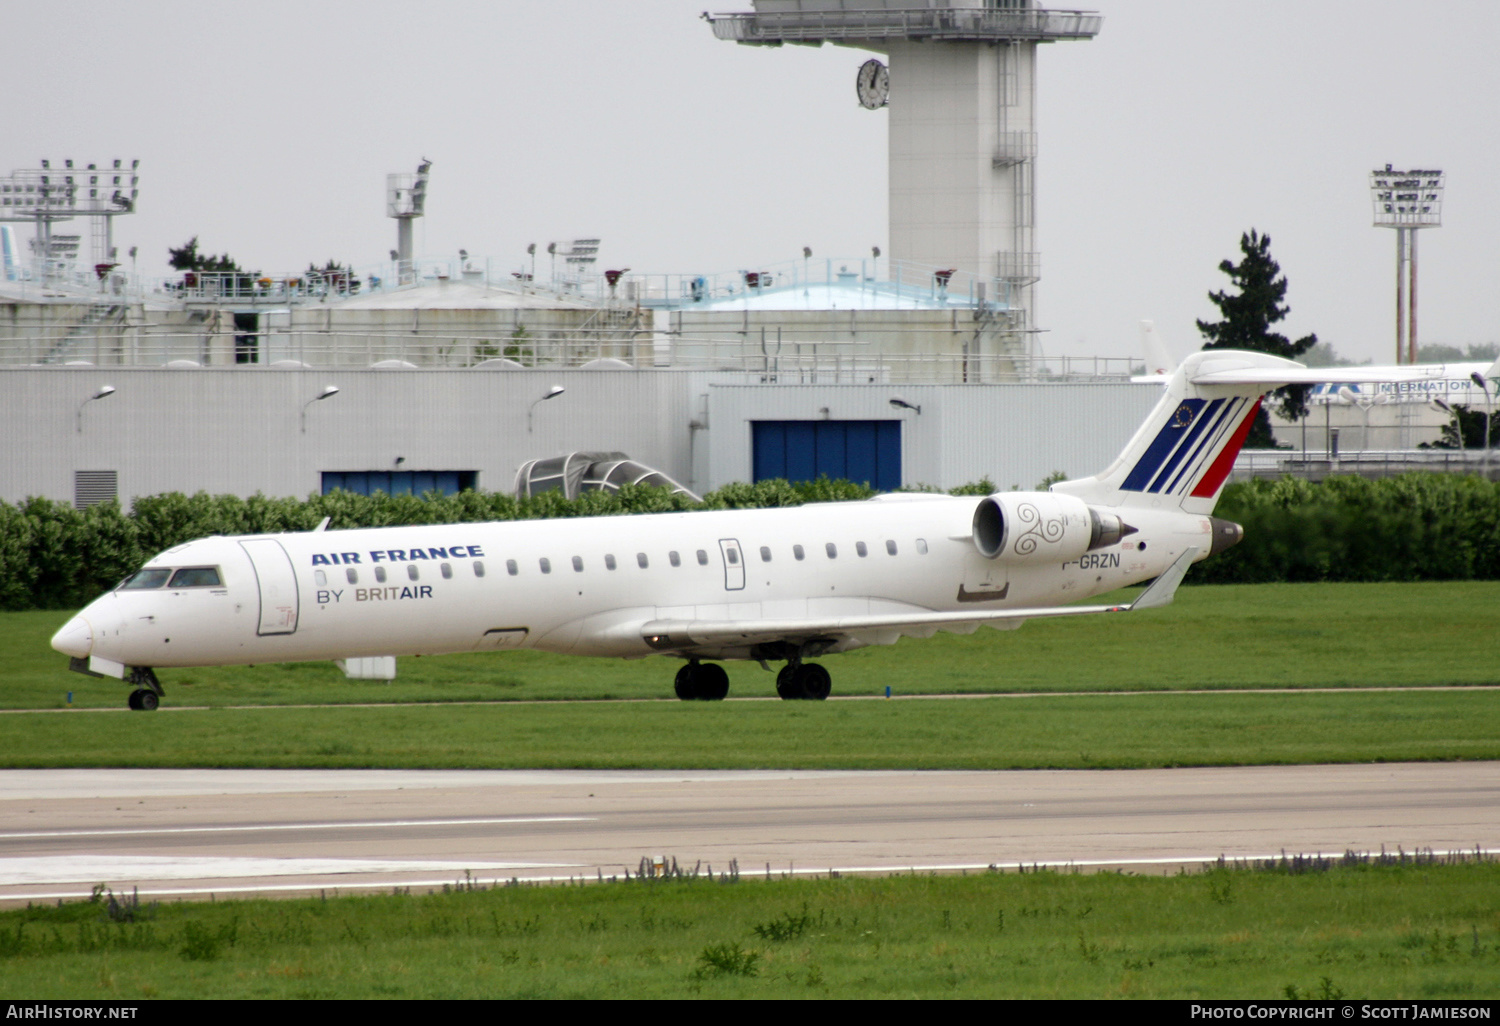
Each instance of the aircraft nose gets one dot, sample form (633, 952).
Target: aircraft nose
(76, 638)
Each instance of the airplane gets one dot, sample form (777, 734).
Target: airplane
(786, 585)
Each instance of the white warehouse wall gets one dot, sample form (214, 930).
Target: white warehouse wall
(238, 430)
(1015, 434)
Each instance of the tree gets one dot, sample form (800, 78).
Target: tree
(1248, 314)
(187, 258)
(336, 277)
(1437, 352)
(1467, 425)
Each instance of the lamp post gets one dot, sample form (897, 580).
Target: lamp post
(105, 391)
(552, 393)
(1489, 407)
(328, 391)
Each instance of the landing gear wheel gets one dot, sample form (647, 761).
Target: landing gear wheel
(787, 684)
(815, 681)
(143, 700)
(713, 682)
(701, 681)
(686, 683)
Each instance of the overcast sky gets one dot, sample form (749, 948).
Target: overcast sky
(267, 129)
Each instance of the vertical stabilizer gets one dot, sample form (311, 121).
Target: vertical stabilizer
(1158, 357)
(1183, 453)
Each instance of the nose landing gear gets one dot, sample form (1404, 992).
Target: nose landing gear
(148, 691)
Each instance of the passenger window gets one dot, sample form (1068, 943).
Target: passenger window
(798, 552)
(674, 559)
(546, 565)
(380, 574)
(921, 546)
(734, 556)
(702, 558)
(765, 553)
(832, 550)
(411, 571)
(641, 561)
(319, 577)
(197, 577)
(478, 568)
(860, 550)
(352, 574)
(609, 561)
(447, 569)
(578, 564)
(145, 579)
(890, 546)
(511, 568)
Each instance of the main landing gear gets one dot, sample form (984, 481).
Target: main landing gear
(703, 681)
(803, 680)
(708, 682)
(148, 690)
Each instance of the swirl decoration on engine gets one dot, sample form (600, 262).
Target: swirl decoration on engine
(1041, 530)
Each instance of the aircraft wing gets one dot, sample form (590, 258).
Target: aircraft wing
(676, 635)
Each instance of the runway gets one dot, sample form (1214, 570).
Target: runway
(194, 833)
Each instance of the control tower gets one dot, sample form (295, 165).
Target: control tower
(961, 87)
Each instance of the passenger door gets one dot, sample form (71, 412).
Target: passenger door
(277, 583)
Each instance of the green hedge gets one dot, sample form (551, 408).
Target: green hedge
(55, 557)
(1408, 528)
(1413, 527)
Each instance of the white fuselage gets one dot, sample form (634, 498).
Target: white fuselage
(588, 586)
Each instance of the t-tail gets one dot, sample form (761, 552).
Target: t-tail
(1183, 453)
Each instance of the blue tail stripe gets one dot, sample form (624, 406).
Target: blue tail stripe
(1207, 415)
(1206, 445)
(1162, 445)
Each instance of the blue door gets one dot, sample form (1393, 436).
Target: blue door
(865, 451)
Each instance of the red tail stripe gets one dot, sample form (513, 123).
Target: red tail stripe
(1224, 463)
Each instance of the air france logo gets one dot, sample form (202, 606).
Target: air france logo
(397, 555)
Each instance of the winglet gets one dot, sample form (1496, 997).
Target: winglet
(1164, 588)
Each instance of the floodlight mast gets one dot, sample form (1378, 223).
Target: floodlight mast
(1406, 201)
(47, 194)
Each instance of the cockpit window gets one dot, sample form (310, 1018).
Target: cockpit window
(149, 578)
(196, 577)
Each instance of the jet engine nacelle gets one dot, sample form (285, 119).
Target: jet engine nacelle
(1041, 527)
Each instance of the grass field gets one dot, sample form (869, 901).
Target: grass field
(1229, 636)
(1396, 932)
(1407, 932)
(1063, 731)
